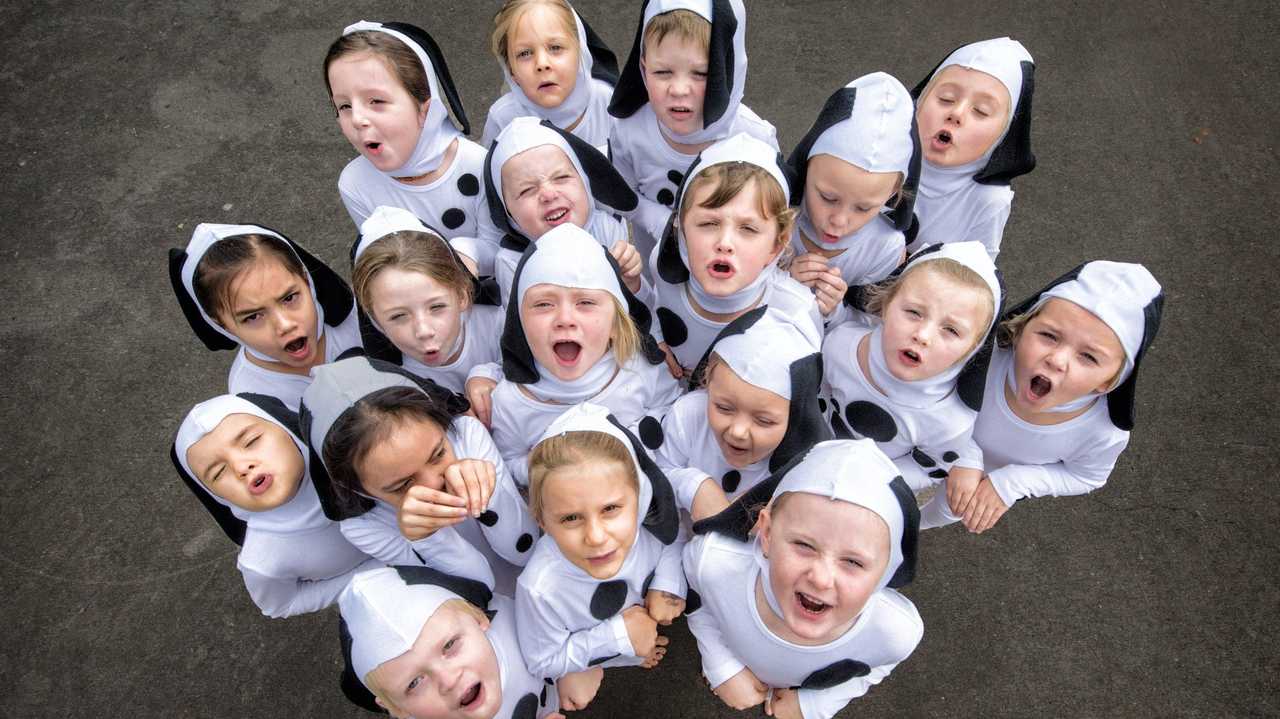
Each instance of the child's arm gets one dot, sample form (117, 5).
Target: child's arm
(650, 216)
(288, 597)
(1082, 473)
(551, 650)
(719, 663)
(826, 703)
(506, 522)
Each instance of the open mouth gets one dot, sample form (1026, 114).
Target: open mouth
(567, 352)
(681, 112)
(556, 216)
(297, 348)
(810, 606)
(1040, 387)
(603, 558)
(942, 140)
(720, 269)
(471, 697)
(910, 358)
(430, 356)
(373, 147)
(260, 484)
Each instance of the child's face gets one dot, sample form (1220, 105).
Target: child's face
(825, 559)
(567, 328)
(962, 116)
(931, 323)
(748, 421)
(729, 246)
(420, 316)
(541, 189)
(542, 56)
(841, 198)
(377, 114)
(590, 510)
(416, 453)
(272, 312)
(248, 461)
(675, 75)
(1064, 353)
(451, 671)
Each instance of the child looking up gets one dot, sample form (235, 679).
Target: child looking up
(974, 118)
(675, 97)
(1058, 406)
(557, 69)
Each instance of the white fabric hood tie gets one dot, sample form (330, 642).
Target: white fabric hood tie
(739, 148)
(1001, 58)
(440, 129)
(924, 393)
(301, 513)
(573, 106)
(204, 237)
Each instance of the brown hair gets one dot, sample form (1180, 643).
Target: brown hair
(401, 60)
(684, 25)
(411, 251)
(368, 423)
(227, 258)
(570, 449)
(730, 178)
(880, 295)
(509, 15)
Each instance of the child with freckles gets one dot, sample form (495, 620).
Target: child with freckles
(675, 97)
(556, 67)
(607, 570)
(796, 580)
(1059, 401)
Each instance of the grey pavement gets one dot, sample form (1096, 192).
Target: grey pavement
(125, 124)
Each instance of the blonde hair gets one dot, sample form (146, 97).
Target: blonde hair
(879, 296)
(571, 449)
(457, 605)
(509, 15)
(624, 337)
(1009, 331)
(683, 25)
(731, 178)
(411, 251)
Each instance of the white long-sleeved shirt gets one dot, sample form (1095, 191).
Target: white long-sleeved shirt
(300, 572)
(732, 635)
(245, 376)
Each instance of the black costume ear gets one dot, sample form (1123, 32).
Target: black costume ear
(910, 533)
(739, 517)
(472, 591)
(971, 383)
(903, 216)
(231, 525)
(662, 518)
(607, 185)
(641, 317)
(629, 93)
(738, 326)
(518, 364)
(1013, 156)
(918, 90)
(805, 423)
(443, 79)
(352, 688)
(376, 344)
(838, 107)
(671, 267)
(1121, 400)
(604, 64)
(720, 61)
(211, 338)
(337, 504)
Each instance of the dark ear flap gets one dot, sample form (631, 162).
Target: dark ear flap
(971, 384)
(1121, 400)
(604, 64)
(518, 364)
(720, 61)
(662, 518)
(274, 407)
(629, 93)
(497, 210)
(443, 79)
(211, 338)
(1013, 156)
(670, 267)
(337, 504)
(739, 517)
(903, 216)
(352, 688)
(376, 344)
(607, 185)
(1025, 306)
(805, 423)
(641, 317)
(231, 525)
(910, 533)
(472, 591)
(485, 291)
(838, 107)
(331, 290)
(736, 327)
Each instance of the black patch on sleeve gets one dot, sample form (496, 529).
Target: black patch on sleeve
(922, 459)
(527, 707)
(524, 542)
(731, 480)
(608, 599)
(834, 674)
(651, 432)
(488, 518)
(602, 660)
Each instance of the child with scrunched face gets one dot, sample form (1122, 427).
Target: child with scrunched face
(248, 461)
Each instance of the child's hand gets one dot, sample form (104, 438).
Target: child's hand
(785, 704)
(577, 689)
(985, 509)
(424, 510)
(478, 391)
(662, 606)
(742, 690)
(472, 480)
(829, 289)
(806, 268)
(709, 500)
(673, 365)
(642, 630)
(962, 482)
(628, 258)
(652, 659)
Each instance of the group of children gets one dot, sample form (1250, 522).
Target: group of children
(623, 362)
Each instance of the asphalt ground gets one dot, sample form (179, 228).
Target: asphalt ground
(125, 124)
